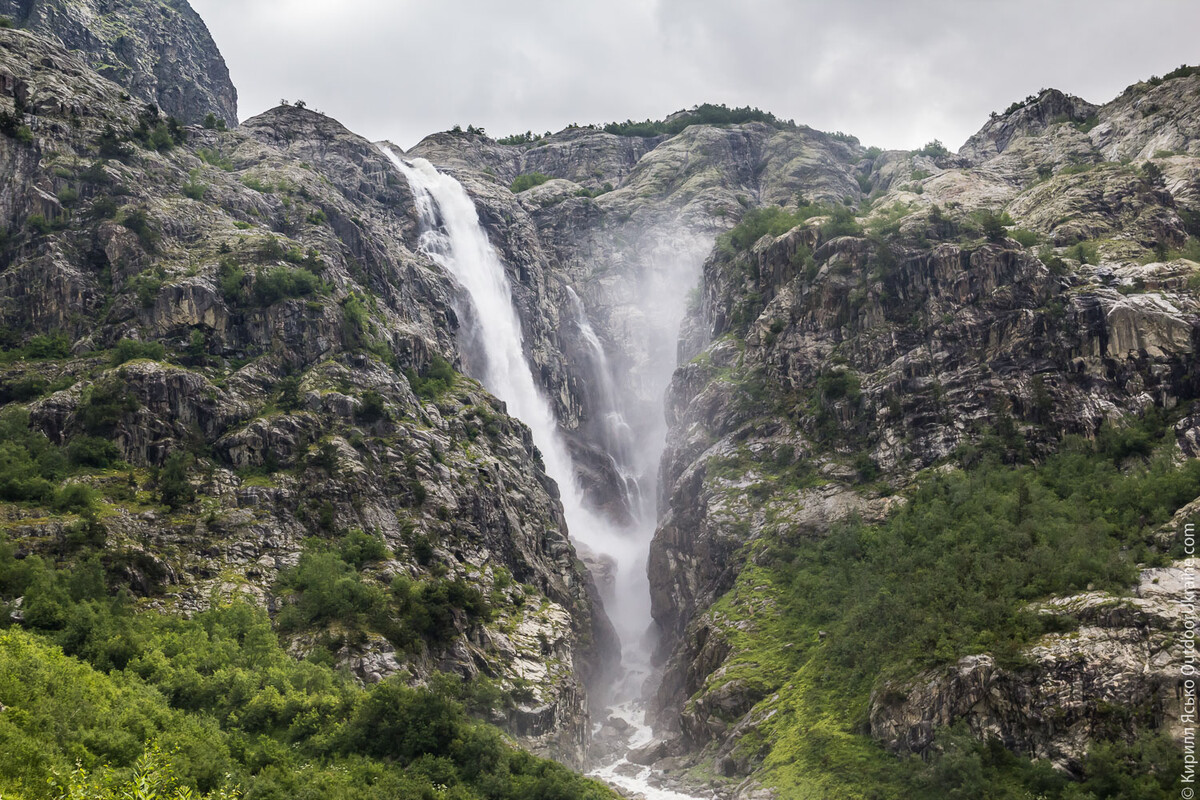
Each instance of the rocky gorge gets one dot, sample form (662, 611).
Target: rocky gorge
(776, 359)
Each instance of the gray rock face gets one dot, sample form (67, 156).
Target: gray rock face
(160, 52)
(1050, 107)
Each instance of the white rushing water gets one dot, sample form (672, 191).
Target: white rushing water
(452, 235)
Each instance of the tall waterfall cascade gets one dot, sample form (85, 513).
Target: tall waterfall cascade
(451, 235)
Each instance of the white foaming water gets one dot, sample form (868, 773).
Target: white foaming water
(452, 235)
(631, 777)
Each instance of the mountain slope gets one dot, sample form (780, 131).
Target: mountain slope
(159, 52)
(237, 328)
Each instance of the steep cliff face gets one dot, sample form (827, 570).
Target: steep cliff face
(1034, 283)
(159, 52)
(250, 307)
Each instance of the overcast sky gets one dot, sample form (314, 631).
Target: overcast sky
(895, 73)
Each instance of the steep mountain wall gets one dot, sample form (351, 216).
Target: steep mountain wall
(829, 367)
(159, 52)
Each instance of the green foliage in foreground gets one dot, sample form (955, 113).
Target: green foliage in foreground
(330, 593)
(951, 573)
(215, 704)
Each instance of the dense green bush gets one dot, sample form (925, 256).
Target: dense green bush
(329, 592)
(30, 465)
(372, 407)
(44, 346)
(157, 704)
(435, 380)
(231, 278)
(23, 388)
(773, 221)
(950, 572)
(954, 571)
(705, 114)
(104, 405)
(93, 451)
(933, 149)
(277, 283)
(138, 221)
(528, 181)
(130, 349)
(174, 488)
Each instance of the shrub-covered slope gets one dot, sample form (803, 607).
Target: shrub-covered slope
(228, 373)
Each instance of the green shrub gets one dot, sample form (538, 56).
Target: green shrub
(992, 225)
(1083, 252)
(194, 189)
(103, 207)
(769, 220)
(174, 488)
(146, 286)
(528, 181)
(130, 349)
(841, 223)
(356, 321)
(231, 279)
(46, 346)
(359, 549)
(104, 405)
(30, 465)
(1025, 238)
(138, 221)
(520, 138)
(215, 158)
(22, 389)
(163, 708)
(74, 497)
(934, 149)
(38, 224)
(92, 451)
(372, 407)
(705, 114)
(435, 380)
(288, 397)
(278, 283)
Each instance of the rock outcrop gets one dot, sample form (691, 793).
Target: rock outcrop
(160, 53)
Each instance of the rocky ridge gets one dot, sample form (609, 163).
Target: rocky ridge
(160, 52)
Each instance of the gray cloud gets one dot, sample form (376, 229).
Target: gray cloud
(896, 74)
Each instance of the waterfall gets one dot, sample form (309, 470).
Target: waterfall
(452, 235)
